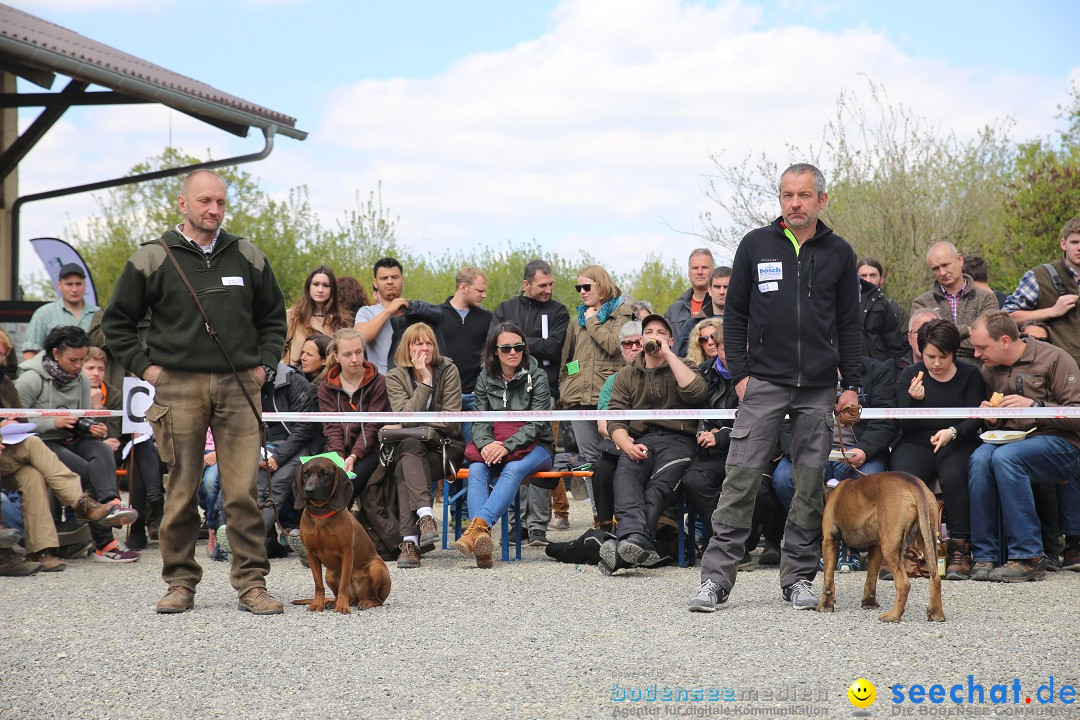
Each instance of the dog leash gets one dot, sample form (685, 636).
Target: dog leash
(848, 416)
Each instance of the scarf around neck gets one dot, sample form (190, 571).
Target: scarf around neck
(60, 377)
(602, 314)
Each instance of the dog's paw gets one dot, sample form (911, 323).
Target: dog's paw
(870, 603)
(890, 616)
(368, 604)
(935, 617)
(342, 608)
(824, 607)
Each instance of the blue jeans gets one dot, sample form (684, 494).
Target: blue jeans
(468, 402)
(784, 485)
(12, 510)
(209, 491)
(999, 480)
(491, 505)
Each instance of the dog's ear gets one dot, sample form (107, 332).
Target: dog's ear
(299, 497)
(343, 490)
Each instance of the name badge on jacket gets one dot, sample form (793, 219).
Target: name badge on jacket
(770, 271)
(233, 280)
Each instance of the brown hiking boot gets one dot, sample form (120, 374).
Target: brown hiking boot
(959, 560)
(1020, 571)
(484, 549)
(429, 531)
(49, 562)
(13, 565)
(179, 599)
(258, 601)
(477, 527)
(88, 509)
(410, 555)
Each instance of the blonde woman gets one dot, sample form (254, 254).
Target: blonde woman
(591, 352)
(422, 380)
(706, 340)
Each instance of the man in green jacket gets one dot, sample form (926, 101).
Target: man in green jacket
(195, 386)
(656, 452)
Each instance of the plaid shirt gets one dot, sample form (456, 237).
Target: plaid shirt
(1026, 295)
(954, 300)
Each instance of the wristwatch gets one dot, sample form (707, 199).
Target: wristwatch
(845, 385)
(271, 373)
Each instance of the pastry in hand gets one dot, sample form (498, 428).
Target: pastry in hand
(996, 398)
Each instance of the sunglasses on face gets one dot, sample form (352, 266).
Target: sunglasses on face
(706, 339)
(631, 344)
(587, 287)
(507, 349)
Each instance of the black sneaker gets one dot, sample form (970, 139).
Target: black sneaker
(636, 550)
(610, 561)
(537, 538)
(708, 596)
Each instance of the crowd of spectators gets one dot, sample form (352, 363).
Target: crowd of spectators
(1011, 510)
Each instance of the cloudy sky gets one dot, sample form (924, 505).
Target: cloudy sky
(582, 124)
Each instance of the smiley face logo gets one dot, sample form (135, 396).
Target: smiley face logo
(862, 693)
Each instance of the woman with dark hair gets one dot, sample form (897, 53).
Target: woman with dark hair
(510, 380)
(351, 295)
(422, 380)
(313, 358)
(54, 379)
(317, 311)
(939, 448)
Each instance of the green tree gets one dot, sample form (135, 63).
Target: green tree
(896, 185)
(1044, 193)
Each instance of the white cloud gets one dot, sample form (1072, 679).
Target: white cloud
(596, 134)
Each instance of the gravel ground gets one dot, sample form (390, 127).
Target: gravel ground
(534, 639)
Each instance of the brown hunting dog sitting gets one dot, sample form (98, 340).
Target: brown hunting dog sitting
(880, 512)
(336, 540)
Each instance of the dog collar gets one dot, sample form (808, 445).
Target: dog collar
(320, 517)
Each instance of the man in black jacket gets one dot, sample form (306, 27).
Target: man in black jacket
(882, 337)
(544, 320)
(465, 329)
(791, 321)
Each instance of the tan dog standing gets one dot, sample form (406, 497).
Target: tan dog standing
(336, 540)
(880, 512)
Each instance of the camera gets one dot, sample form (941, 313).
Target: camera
(82, 427)
(651, 346)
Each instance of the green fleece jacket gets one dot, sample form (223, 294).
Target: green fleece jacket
(37, 390)
(639, 388)
(235, 284)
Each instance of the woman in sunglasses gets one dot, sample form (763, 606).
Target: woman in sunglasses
(510, 380)
(592, 352)
(705, 340)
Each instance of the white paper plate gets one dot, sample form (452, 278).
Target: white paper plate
(1002, 437)
(836, 455)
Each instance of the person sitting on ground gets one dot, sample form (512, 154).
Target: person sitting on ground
(423, 380)
(939, 448)
(658, 452)
(313, 359)
(145, 481)
(53, 379)
(510, 380)
(1022, 374)
(318, 311)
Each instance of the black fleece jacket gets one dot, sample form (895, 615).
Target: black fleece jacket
(790, 318)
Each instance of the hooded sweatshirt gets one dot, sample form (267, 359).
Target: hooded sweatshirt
(357, 439)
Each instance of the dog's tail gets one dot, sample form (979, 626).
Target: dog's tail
(305, 601)
(928, 523)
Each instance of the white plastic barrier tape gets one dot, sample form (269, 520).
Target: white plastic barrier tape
(706, 414)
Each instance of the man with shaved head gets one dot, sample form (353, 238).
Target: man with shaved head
(954, 295)
(196, 386)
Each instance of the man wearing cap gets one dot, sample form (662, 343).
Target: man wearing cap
(655, 451)
(70, 309)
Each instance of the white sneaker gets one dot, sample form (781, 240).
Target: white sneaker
(801, 595)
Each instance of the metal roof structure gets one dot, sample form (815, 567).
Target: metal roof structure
(36, 50)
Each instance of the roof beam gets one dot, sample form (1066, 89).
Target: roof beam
(10, 100)
(11, 157)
